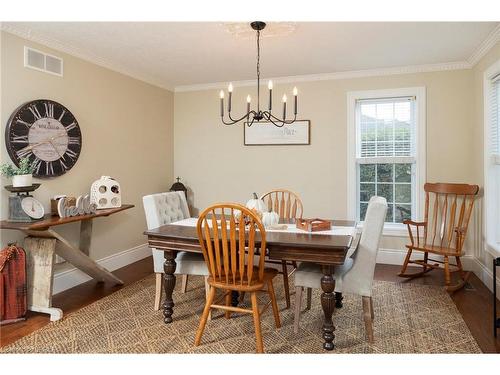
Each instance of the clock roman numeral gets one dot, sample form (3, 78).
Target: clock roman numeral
(19, 138)
(70, 126)
(19, 121)
(72, 155)
(73, 141)
(23, 153)
(49, 110)
(35, 112)
(49, 168)
(62, 114)
(36, 165)
(63, 166)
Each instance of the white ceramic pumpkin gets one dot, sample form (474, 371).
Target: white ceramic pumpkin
(256, 204)
(270, 219)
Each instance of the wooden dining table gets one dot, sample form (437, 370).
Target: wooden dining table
(328, 250)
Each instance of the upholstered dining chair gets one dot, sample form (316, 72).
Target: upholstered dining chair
(356, 274)
(165, 208)
(229, 246)
(288, 206)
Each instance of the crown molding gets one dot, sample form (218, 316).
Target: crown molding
(487, 44)
(335, 76)
(28, 34)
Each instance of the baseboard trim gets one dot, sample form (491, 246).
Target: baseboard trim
(67, 279)
(485, 274)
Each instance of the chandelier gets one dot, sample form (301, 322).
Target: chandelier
(258, 115)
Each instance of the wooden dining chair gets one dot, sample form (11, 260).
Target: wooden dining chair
(288, 206)
(229, 247)
(448, 208)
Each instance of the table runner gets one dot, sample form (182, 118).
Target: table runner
(291, 228)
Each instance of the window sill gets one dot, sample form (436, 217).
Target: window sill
(390, 229)
(493, 249)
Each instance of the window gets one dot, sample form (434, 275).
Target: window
(386, 136)
(492, 157)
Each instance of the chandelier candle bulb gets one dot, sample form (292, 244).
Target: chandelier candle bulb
(295, 93)
(230, 91)
(221, 94)
(249, 99)
(270, 87)
(284, 106)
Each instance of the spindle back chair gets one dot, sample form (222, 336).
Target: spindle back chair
(231, 236)
(288, 206)
(448, 209)
(284, 202)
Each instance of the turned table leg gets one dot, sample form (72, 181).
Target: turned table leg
(169, 284)
(328, 304)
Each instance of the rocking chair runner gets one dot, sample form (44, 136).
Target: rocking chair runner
(448, 209)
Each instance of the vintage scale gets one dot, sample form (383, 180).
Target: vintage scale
(23, 208)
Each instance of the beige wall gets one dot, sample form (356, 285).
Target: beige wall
(127, 129)
(214, 163)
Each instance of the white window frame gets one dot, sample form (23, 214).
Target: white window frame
(390, 229)
(491, 162)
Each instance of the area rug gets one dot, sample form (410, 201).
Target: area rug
(409, 318)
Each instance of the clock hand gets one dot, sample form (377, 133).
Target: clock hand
(42, 142)
(55, 149)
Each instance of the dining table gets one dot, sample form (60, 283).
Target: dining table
(289, 243)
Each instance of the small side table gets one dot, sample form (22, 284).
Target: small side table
(496, 319)
(40, 246)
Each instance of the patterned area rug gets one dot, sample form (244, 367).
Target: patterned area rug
(409, 318)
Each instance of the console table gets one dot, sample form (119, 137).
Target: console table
(40, 246)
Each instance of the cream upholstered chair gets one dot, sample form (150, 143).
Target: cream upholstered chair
(356, 274)
(165, 208)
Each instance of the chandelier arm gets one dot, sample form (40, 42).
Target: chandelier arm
(288, 122)
(234, 121)
(228, 123)
(251, 122)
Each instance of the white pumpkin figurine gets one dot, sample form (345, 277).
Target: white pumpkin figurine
(270, 219)
(256, 204)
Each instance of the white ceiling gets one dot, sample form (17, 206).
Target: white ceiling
(173, 54)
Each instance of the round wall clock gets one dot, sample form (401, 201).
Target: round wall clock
(47, 133)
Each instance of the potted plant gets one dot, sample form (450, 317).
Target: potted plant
(22, 176)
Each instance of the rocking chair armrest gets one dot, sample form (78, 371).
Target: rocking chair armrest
(416, 224)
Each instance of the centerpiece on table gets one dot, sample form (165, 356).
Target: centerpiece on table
(269, 218)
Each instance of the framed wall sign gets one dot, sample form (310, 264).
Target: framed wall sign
(265, 133)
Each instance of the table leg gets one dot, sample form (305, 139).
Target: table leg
(85, 236)
(40, 254)
(169, 277)
(328, 304)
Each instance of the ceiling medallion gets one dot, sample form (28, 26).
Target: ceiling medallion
(258, 115)
(274, 29)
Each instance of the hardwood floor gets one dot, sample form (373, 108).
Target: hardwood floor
(475, 304)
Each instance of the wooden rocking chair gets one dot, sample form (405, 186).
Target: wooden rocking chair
(448, 209)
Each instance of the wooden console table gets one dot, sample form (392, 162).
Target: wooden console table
(40, 246)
